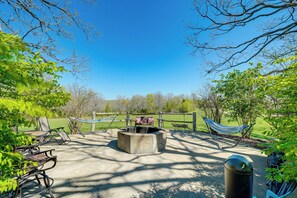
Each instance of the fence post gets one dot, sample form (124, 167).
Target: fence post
(94, 118)
(127, 119)
(160, 119)
(194, 121)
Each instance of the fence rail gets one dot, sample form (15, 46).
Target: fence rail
(160, 119)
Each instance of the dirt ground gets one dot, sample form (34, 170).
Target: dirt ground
(192, 165)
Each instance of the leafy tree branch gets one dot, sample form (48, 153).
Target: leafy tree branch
(28, 88)
(40, 23)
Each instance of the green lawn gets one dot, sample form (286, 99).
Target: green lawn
(120, 122)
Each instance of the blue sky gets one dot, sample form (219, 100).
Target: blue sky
(141, 48)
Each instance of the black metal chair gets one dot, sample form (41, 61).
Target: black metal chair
(36, 171)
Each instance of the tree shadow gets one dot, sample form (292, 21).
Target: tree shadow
(158, 191)
(189, 167)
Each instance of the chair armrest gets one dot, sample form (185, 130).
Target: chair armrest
(270, 194)
(42, 159)
(48, 152)
(28, 149)
(57, 129)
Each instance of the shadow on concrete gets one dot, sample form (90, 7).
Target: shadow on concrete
(114, 145)
(156, 190)
(189, 167)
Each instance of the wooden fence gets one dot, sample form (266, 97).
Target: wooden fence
(183, 122)
(160, 119)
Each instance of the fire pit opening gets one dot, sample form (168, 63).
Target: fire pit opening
(141, 129)
(142, 140)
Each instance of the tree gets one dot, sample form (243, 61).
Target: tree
(138, 104)
(185, 106)
(28, 88)
(159, 101)
(107, 107)
(169, 106)
(122, 104)
(240, 92)
(211, 103)
(282, 117)
(83, 101)
(219, 19)
(150, 103)
(172, 103)
(40, 23)
(195, 99)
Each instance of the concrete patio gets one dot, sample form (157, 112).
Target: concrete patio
(92, 166)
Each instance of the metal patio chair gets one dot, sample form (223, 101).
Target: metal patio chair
(53, 133)
(35, 172)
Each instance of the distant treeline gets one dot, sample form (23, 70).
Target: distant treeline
(84, 101)
(150, 103)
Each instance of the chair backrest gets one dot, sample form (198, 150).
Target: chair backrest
(138, 120)
(148, 120)
(144, 121)
(287, 188)
(44, 125)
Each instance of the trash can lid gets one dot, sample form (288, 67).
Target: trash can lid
(239, 164)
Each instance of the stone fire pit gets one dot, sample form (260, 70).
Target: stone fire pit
(142, 140)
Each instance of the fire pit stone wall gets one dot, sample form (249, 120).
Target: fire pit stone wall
(142, 140)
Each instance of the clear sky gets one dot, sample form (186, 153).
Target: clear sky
(141, 48)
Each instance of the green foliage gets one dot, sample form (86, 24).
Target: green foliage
(185, 106)
(283, 117)
(169, 106)
(11, 163)
(150, 103)
(28, 88)
(249, 94)
(107, 107)
(242, 99)
(173, 103)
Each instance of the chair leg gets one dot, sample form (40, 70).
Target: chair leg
(64, 137)
(15, 193)
(37, 179)
(48, 182)
(47, 139)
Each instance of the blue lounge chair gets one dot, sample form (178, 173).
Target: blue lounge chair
(285, 190)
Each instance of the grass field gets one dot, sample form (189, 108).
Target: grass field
(260, 127)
